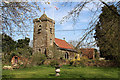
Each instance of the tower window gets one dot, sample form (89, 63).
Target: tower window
(39, 50)
(50, 41)
(39, 25)
(51, 30)
(39, 31)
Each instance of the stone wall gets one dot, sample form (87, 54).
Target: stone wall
(63, 53)
(44, 35)
(44, 38)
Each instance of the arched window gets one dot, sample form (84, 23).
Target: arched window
(66, 56)
(51, 30)
(45, 52)
(39, 25)
(16, 59)
(39, 50)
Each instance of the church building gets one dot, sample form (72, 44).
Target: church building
(44, 38)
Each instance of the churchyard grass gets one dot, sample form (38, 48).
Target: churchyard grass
(66, 72)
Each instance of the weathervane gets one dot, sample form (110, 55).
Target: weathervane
(44, 10)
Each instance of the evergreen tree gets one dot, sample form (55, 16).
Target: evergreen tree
(22, 43)
(8, 44)
(107, 34)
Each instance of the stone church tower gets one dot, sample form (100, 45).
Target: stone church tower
(44, 34)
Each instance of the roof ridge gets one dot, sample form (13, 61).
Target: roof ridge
(62, 43)
(60, 39)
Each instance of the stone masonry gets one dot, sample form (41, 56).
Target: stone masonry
(44, 35)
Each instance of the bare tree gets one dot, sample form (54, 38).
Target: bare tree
(74, 15)
(17, 16)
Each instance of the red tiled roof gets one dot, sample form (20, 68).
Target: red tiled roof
(88, 52)
(72, 46)
(62, 44)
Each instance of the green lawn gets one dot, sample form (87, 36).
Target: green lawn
(66, 72)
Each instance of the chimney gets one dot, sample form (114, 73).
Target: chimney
(63, 38)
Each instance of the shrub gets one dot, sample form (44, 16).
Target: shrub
(6, 60)
(13, 54)
(81, 62)
(54, 63)
(38, 59)
(25, 65)
(71, 62)
(76, 63)
(26, 52)
(56, 53)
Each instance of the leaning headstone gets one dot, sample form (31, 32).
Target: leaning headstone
(8, 67)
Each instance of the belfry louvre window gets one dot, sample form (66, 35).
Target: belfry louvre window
(39, 31)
